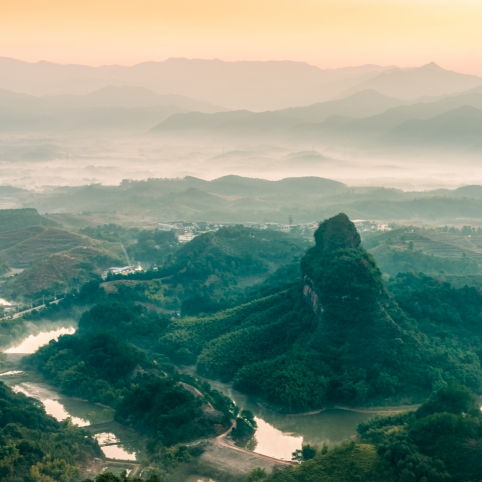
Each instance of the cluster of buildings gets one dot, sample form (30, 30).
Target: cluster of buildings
(187, 230)
(122, 270)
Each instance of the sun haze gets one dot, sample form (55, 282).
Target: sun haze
(324, 33)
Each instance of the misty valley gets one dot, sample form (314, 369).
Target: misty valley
(240, 271)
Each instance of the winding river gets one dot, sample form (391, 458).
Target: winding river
(61, 407)
(277, 435)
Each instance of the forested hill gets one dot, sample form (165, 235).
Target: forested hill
(236, 199)
(12, 219)
(211, 271)
(35, 447)
(337, 335)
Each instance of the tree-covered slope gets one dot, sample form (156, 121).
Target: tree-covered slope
(13, 219)
(53, 258)
(440, 442)
(214, 270)
(336, 335)
(164, 407)
(35, 447)
(443, 251)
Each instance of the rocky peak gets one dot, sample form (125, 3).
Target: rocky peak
(336, 233)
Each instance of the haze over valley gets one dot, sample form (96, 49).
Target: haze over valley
(240, 241)
(370, 125)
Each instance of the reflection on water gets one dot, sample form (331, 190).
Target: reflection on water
(86, 413)
(278, 435)
(81, 412)
(50, 401)
(110, 445)
(275, 443)
(32, 343)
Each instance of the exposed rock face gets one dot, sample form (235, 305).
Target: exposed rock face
(311, 296)
(341, 279)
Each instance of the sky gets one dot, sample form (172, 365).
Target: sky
(327, 33)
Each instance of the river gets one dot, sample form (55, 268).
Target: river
(277, 435)
(61, 407)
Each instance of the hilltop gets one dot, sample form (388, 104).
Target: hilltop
(215, 269)
(13, 219)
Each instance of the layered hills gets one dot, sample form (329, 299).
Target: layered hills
(110, 108)
(250, 85)
(237, 199)
(47, 256)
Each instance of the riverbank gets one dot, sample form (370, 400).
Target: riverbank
(277, 435)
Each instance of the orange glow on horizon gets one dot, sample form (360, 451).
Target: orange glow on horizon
(326, 33)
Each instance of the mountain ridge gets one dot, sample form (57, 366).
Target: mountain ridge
(256, 85)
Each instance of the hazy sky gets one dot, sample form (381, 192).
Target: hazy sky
(328, 33)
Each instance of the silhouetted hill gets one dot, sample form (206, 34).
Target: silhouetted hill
(413, 83)
(361, 104)
(111, 108)
(459, 127)
(244, 84)
(236, 199)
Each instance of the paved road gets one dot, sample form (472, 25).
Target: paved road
(19, 314)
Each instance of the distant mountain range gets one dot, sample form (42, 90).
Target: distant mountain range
(366, 118)
(370, 106)
(235, 199)
(236, 85)
(361, 104)
(109, 108)
(413, 83)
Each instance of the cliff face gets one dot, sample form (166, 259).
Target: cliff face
(311, 296)
(340, 277)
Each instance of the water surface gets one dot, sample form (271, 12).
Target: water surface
(33, 342)
(112, 448)
(278, 435)
(50, 400)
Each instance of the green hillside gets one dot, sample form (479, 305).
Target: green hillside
(12, 219)
(214, 267)
(446, 251)
(441, 441)
(35, 447)
(214, 270)
(53, 258)
(23, 247)
(61, 272)
(336, 335)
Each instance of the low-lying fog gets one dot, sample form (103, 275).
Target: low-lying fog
(35, 161)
